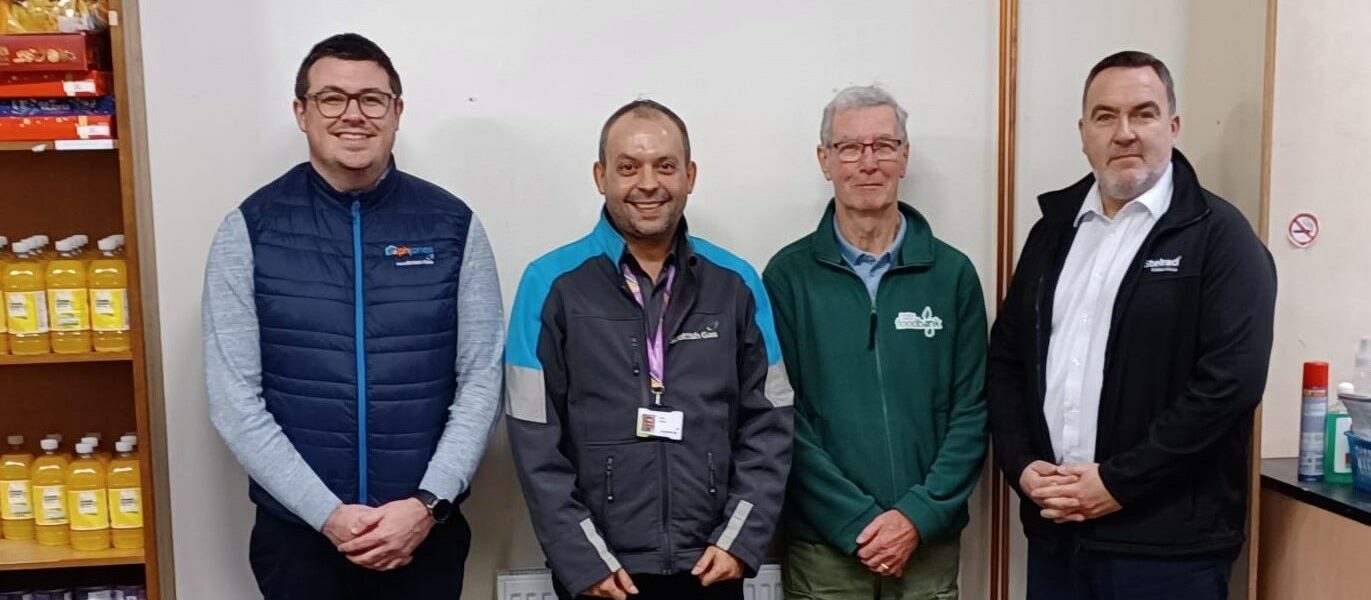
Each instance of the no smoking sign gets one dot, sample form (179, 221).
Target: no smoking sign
(1303, 230)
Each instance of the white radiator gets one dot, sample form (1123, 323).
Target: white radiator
(536, 584)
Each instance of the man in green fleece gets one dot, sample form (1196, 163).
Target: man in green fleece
(884, 335)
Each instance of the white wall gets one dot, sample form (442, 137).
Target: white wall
(1214, 49)
(504, 104)
(1318, 164)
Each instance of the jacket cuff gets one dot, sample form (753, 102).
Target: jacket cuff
(930, 520)
(845, 536)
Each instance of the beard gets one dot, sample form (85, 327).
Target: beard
(1127, 185)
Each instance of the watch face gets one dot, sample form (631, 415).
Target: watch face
(441, 511)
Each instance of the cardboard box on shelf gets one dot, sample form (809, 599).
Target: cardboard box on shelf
(88, 84)
(34, 129)
(54, 52)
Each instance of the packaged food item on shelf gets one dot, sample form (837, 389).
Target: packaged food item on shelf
(68, 301)
(93, 593)
(63, 52)
(87, 504)
(53, 16)
(42, 84)
(39, 129)
(16, 498)
(130, 592)
(50, 496)
(26, 301)
(56, 107)
(125, 498)
(109, 298)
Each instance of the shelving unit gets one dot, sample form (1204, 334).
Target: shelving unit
(57, 359)
(52, 190)
(59, 146)
(23, 556)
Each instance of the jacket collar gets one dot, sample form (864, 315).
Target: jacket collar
(368, 198)
(1187, 198)
(915, 250)
(611, 242)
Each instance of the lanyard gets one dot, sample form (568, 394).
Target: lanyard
(656, 349)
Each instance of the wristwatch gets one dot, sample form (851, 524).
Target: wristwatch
(438, 508)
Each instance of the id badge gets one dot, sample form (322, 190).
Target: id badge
(660, 423)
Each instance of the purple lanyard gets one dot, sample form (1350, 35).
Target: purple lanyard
(656, 349)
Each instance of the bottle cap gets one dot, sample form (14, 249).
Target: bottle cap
(1316, 374)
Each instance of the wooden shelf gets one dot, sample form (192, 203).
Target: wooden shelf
(58, 145)
(57, 359)
(19, 556)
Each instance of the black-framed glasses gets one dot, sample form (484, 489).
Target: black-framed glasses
(373, 105)
(883, 149)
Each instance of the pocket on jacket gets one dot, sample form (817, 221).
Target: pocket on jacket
(621, 484)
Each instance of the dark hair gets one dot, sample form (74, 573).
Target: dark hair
(1134, 59)
(345, 46)
(645, 109)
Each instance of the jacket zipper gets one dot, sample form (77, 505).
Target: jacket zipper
(359, 339)
(875, 346)
(880, 381)
(661, 445)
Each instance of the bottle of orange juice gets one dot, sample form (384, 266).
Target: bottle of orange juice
(93, 440)
(109, 297)
(68, 301)
(87, 501)
(26, 302)
(16, 502)
(52, 528)
(58, 438)
(126, 498)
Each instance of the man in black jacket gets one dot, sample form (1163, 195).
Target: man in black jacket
(1127, 360)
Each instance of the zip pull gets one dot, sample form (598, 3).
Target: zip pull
(710, 460)
(609, 478)
(871, 337)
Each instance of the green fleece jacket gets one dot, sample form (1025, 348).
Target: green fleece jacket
(890, 409)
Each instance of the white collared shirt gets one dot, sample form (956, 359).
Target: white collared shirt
(1082, 308)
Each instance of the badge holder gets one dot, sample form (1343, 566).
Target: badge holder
(658, 421)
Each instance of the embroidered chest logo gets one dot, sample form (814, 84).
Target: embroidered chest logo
(926, 321)
(410, 256)
(1163, 265)
(708, 333)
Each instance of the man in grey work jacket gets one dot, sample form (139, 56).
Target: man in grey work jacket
(650, 413)
(353, 334)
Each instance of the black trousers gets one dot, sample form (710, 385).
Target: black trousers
(294, 562)
(681, 586)
(1078, 574)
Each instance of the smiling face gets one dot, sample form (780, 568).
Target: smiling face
(353, 144)
(867, 184)
(1128, 130)
(644, 176)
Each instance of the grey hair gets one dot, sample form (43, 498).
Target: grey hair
(861, 96)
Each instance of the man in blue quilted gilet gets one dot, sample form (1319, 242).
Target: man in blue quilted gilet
(353, 342)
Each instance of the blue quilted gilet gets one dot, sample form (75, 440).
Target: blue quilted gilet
(356, 299)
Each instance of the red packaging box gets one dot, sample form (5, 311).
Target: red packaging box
(63, 52)
(38, 129)
(89, 84)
